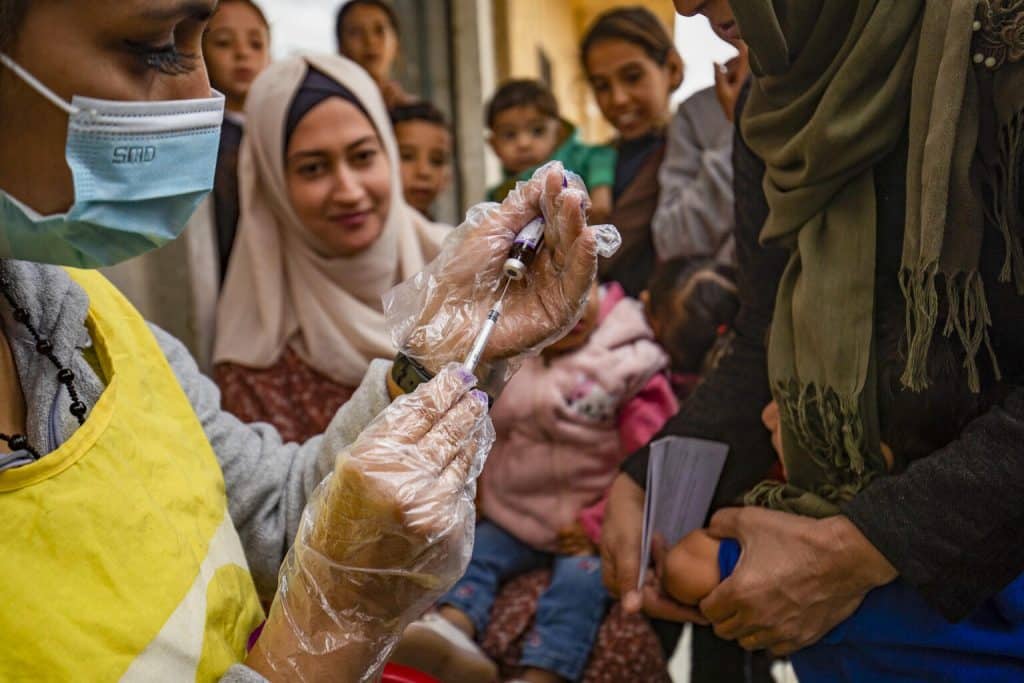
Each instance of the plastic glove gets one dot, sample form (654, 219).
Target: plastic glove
(435, 316)
(383, 536)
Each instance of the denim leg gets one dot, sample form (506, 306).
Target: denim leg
(497, 555)
(569, 616)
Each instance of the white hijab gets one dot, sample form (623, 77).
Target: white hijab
(281, 290)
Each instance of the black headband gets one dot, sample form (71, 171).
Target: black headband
(315, 89)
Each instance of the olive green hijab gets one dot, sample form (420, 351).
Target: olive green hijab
(836, 85)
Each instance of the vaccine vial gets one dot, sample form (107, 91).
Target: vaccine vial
(525, 247)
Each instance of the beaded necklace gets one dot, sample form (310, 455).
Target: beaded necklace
(19, 442)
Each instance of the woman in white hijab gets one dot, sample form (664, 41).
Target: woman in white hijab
(324, 233)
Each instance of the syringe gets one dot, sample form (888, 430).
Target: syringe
(526, 245)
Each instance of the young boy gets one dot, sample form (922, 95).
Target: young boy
(425, 151)
(527, 131)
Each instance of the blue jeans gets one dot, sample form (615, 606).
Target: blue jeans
(569, 612)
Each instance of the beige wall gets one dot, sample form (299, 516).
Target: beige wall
(523, 27)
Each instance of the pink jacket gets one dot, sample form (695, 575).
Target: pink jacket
(565, 426)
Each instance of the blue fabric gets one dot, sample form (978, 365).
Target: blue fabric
(569, 612)
(895, 637)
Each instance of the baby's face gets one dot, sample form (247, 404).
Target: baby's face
(773, 423)
(523, 137)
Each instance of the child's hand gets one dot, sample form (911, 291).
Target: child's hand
(657, 602)
(690, 571)
(574, 541)
(729, 80)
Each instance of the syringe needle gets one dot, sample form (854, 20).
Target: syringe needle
(477, 352)
(504, 291)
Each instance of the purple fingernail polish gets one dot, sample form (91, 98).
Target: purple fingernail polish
(480, 396)
(565, 180)
(466, 376)
(572, 175)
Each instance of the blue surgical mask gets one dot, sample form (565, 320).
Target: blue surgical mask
(140, 170)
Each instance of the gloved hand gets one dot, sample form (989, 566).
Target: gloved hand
(383, 536)
(434, 317)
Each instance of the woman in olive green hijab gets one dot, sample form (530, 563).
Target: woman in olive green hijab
(856, 108)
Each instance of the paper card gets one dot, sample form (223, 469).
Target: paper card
(682, 475)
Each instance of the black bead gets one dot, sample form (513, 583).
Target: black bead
(78, 409)
(44, 346)
(21, 315)
(18, 442)
(65, 376)
(5, 282)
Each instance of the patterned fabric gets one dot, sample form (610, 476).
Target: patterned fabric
(1000, 32)
(295, 398)
(626, 650)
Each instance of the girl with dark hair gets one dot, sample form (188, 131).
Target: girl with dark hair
(633, 68)
(368, 34)
(691, 306)
(236, 47)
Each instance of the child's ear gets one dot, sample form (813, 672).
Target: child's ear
(676, 69)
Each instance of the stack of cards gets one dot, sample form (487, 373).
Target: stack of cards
(681, 478)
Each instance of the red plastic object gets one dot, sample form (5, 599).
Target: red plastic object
(394, 673)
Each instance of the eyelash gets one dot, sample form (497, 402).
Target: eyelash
(165, 59)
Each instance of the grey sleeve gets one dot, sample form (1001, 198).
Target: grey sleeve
(695, 214)
(267, 480)
(240, 673)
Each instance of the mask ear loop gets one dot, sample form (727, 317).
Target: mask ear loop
(40, 88)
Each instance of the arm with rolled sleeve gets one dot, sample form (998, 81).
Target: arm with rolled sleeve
(695, 214)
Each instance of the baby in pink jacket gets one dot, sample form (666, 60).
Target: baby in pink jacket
(564, 423)
(568, 419)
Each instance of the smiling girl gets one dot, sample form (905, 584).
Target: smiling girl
(236, 48)
(633, 68)
(368, 34)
